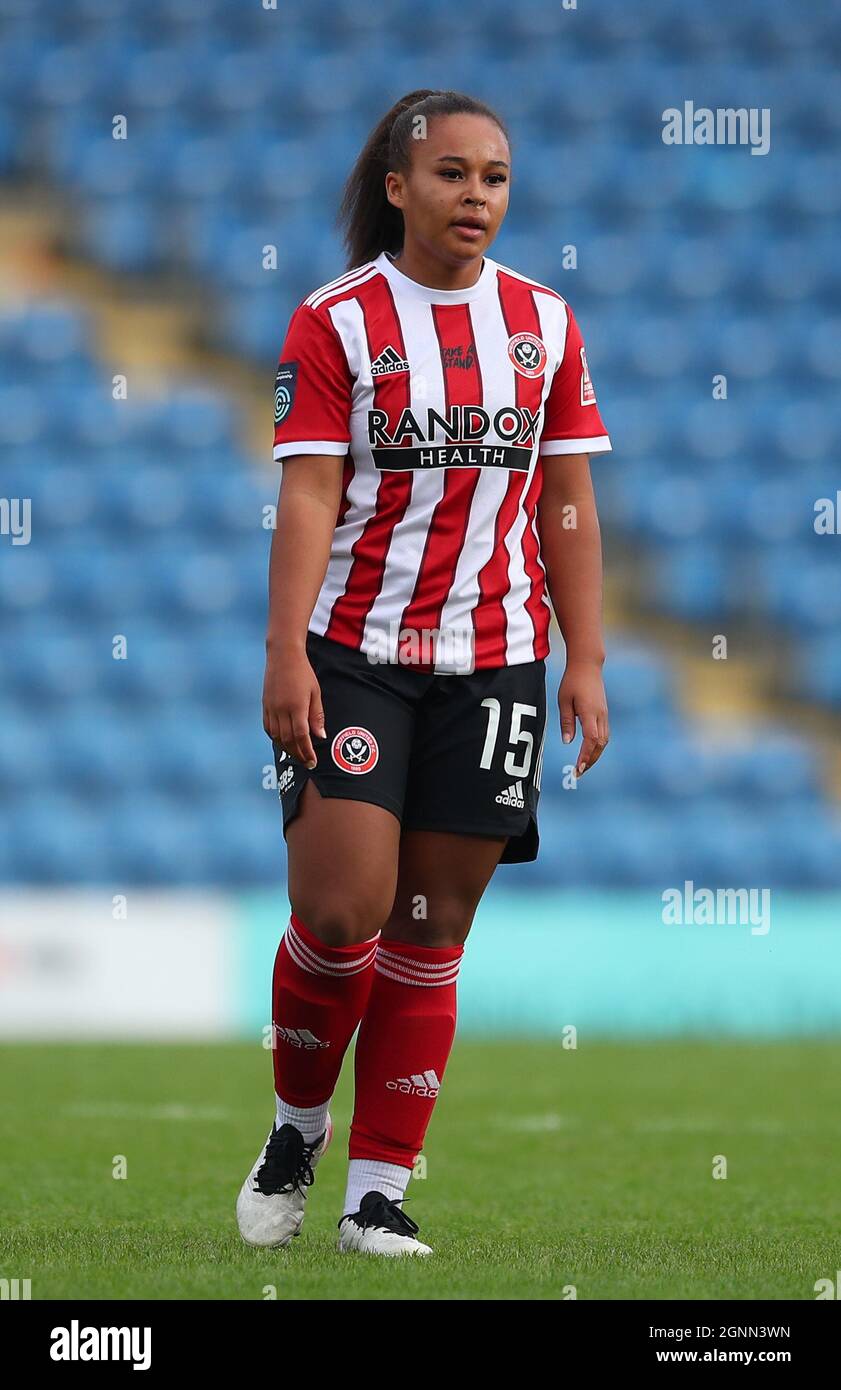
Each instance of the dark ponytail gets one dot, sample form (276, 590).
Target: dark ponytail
(371, 223)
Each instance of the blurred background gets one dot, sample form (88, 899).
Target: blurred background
(142, 863)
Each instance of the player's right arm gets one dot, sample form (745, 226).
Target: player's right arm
(307, 506)
(313, 395)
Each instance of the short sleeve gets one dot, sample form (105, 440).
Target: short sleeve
(313, 389)
(572, 423)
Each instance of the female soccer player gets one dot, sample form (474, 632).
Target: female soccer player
(434, 415)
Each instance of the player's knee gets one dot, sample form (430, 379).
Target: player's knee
(446, 922)
(344, 920)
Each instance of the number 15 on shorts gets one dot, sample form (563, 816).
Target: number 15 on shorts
(519, 752)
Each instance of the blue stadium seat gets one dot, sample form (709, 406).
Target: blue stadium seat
(127, 237)
(27, 754)
(150, 842)
(56, 839)
(690, 580)
(818, 675)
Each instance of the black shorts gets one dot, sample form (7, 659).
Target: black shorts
(458, 753)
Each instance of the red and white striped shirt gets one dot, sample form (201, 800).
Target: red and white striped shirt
(442, 404)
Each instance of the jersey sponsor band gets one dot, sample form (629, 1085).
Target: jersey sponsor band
(412, 444)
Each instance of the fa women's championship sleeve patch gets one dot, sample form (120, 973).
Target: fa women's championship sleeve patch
(284, 390)
(313, 388)
(588, 394)
(572, 423)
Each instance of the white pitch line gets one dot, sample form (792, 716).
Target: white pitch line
(539, 1124)
(120, 1110)
(552, 1123)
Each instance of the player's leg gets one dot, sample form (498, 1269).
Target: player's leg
(471, 802)
(343, 858)
(342, 822)
(342, 827)
(342, 873)
(407, 1030)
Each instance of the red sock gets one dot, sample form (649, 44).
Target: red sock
(404, 1042)
(319, 994)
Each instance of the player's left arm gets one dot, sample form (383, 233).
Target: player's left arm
(570, 544)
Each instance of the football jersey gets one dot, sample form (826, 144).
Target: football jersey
(444, 406)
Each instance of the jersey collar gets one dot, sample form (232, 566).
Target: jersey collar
(403, 282)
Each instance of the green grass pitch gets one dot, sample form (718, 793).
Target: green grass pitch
(546, 1169)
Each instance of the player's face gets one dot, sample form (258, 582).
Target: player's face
(460, 170)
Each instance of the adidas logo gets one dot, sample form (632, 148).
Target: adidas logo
(299, 1037)
(426, 1084)
(512, 796)
(389, 361)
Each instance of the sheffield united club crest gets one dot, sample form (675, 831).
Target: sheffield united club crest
(355, 750)
(527, 354)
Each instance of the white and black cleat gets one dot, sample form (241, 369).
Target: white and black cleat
(380, 1228)
(270, 1206)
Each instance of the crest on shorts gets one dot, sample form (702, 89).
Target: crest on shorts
(527, 354)
(284, 390)
(355, 750)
